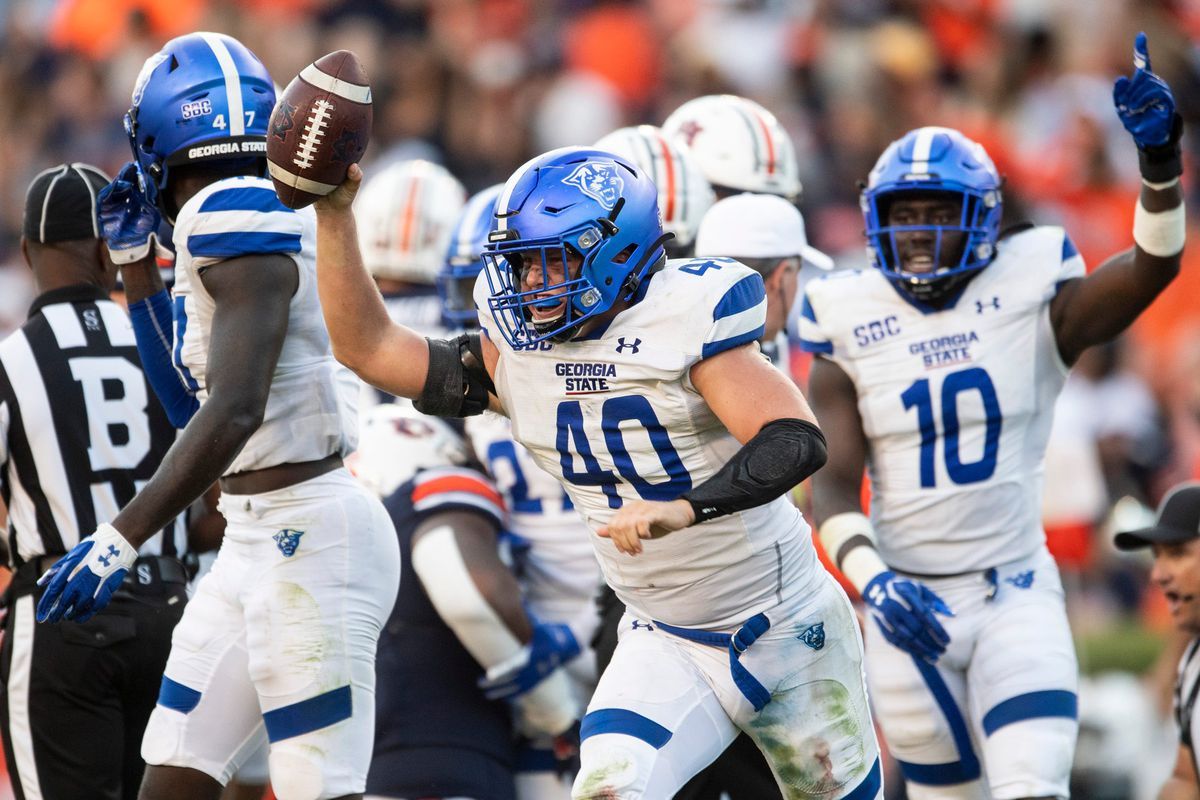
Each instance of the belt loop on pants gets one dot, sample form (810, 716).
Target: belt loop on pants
(737, 643)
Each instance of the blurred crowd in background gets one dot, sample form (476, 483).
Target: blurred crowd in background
(482, 85)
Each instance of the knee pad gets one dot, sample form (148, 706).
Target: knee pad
(609, 771)
(1031, 758)
(296, 770)
(959, 791)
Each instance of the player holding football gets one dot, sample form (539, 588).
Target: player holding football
(638, 381)
(282, 631)
(553, 556)
(939, 370)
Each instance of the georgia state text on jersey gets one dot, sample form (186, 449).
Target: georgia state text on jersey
(310, 411)
(956, 404)
(615, 414)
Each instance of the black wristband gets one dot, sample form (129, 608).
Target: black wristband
(457, 383)
(1164, 162)
(783, 453)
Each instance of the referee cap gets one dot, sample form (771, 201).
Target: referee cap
(60, 204)
(1178, 520)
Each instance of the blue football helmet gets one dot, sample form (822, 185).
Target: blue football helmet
(203, 97)
(574, 204)
(934, 160)
(464, 259)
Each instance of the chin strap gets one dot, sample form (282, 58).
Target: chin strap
(639, 272)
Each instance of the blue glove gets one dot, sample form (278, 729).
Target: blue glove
(1144, 102)
(83, 581)
(552, 645)
(904, 610)
(129, 221)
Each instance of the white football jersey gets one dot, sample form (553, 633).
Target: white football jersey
(616, 417)
(559, 574)
(956, 404)
(310, 411)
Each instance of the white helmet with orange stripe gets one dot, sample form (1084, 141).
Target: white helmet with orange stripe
(396, 442)
(406, 215)
(739, 145)
(684, 194)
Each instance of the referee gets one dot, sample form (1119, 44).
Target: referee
(1175, 540)
(80, 431)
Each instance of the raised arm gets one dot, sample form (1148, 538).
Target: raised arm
(1094, 309)
(445, 378)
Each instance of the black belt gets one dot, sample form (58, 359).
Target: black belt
(148, 575)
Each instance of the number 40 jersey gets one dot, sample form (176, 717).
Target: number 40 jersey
(615, 417)
(956, 404)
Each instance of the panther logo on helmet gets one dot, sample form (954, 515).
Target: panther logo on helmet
(598, 181)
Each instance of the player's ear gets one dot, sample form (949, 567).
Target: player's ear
(25, 252)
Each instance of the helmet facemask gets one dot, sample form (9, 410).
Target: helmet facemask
(956, 250)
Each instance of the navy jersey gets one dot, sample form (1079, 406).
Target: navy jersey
(435, 734)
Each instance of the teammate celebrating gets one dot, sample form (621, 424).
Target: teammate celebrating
(939, 368)
(638, 381)
(282, 631)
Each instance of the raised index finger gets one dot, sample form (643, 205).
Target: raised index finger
(1141, 54)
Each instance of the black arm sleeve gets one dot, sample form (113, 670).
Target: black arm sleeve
(783, 453)
(457, 384)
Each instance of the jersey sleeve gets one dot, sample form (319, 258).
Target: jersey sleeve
(814, 338)
(1069, 265)
(738, 316)
(456, 489)
(241, 218)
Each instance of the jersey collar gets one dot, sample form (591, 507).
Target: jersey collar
(78, 293)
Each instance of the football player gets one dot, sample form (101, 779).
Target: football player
(684, 194)
(459, 612)
(739, 145)
(639, 384)
(406, 216)
(554, 561)
(281, 634)
(938, 370)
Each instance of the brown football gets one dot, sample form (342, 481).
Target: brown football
(319, 127)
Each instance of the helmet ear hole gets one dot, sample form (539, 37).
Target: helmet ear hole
(625, 255)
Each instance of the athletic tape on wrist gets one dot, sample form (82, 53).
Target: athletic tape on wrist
(849, 541)
(1159, 233)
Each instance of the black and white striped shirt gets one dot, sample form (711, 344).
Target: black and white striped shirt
(80, 428)
(1187, 686)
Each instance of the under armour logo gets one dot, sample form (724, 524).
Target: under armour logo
(637, 624)
(1022, 580)
(113, 552)
(814, 636)
(622, 344)
(980, 305)
(689, 129)
(287, 540)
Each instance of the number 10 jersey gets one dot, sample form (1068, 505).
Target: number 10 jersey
(615, 416)
(956, 404)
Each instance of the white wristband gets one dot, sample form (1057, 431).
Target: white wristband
(861, 562)
(1159, 233)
